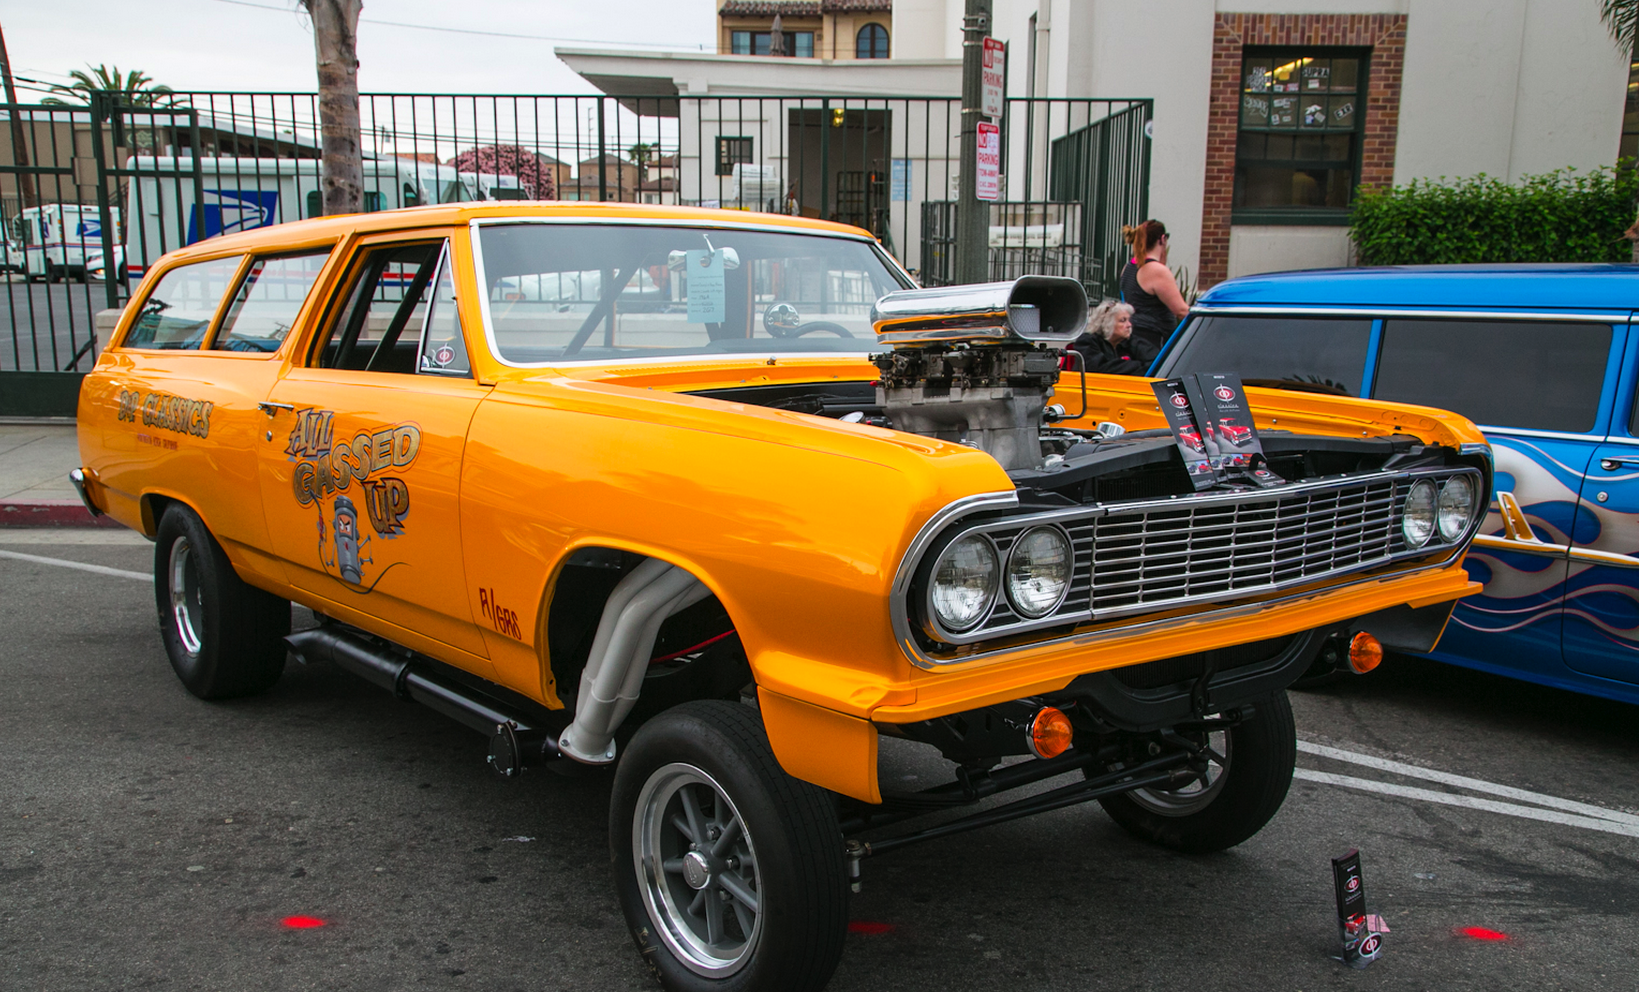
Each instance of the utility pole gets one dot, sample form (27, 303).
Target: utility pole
(335, 42)
(19, 139)
(972, 214)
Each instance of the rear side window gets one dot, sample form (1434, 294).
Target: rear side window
(266, 305)
(1538, 375)
(178, 313)
(1328, 354)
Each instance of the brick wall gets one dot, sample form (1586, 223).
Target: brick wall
(1384, 34)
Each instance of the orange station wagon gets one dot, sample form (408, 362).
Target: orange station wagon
(718, 499)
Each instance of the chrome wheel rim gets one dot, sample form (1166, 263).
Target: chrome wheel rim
(1197, 795)
(187, 596)
(697, 869)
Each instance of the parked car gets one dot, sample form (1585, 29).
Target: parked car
(1543, 358)
(724, 532)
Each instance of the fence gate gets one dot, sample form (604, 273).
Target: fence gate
(63, 186)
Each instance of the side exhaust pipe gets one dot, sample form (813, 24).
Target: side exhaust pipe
(613, 677)
(514, 744)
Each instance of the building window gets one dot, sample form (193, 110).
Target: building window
(732, 151)
(1297, 151)
(798, 44)
(872, 42)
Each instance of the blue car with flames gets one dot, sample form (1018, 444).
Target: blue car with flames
(1544, 358)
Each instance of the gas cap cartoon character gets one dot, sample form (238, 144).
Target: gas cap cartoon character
(346, 524)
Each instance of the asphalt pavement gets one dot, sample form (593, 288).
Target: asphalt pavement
(43, 325)
(148, 839)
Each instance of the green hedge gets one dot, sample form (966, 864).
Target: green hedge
(1563, 216)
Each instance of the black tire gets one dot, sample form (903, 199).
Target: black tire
(224, 637)
(702, 752)
(1261, 753)
(53, 273)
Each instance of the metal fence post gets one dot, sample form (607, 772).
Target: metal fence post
(972, 215)
(603, 173)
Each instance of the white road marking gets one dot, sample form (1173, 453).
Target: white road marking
(1468, 802)
(82, 566)
(1471, 784)
(65, 536)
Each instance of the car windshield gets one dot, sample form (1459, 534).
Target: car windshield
(560, 292)
(1321, 354)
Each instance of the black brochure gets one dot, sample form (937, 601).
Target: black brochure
(1220, 408)
(1192, 442)
(1361, 934)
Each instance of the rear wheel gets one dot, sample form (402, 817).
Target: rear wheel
(224, 637)
(1248, 774)
(729, 871)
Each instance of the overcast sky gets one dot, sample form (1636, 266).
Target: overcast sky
(267, 45)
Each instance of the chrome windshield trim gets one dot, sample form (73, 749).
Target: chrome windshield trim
(900, 606)
(1387, 313)
(474, 225)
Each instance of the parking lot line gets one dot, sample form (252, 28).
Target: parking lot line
(1468, 802)
(76, 536)
(1471, 784)
(82, 566)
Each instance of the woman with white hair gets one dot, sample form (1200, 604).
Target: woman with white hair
(1108, 344)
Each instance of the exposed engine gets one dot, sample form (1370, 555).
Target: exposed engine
(975, 364)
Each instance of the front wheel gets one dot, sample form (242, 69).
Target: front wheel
(729, 871)
(1248, 774)
(224, 637)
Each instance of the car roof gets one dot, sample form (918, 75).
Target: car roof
(448, 214)
(1585, 286)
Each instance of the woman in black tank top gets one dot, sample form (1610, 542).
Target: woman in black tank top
(1157, 309)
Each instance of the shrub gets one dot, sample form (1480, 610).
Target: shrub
(1561, 216)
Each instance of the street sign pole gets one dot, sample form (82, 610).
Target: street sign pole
(972, 214)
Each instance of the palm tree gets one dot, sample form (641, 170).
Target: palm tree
(641, 153)
(135, 87)
(1622, 17)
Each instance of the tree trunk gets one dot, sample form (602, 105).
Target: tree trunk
(335, 40)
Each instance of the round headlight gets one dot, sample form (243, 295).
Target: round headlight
(1417, 523)
(1455, 507)
(1038, 572)
(964, 583)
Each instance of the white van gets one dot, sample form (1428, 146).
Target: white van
(57, 237)
(243, 193)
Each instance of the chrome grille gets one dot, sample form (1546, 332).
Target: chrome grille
(1153, 557)
(1142, 556)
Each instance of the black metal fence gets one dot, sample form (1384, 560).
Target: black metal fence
(129, 183)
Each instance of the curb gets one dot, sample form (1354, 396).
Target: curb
(50, 513)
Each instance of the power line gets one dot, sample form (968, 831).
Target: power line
(474, 31)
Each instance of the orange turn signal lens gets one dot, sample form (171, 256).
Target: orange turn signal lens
(1050, 733)
(1365, 653)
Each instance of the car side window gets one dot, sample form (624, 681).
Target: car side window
(267, 302)
(380, 324)
(177, 314)
(443, 346)
(1531, 374)
(1326, 354)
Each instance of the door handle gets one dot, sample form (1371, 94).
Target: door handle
(1615, 462)
(272, 409)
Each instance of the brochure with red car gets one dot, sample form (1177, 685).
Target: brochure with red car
(1193, 442)
(1220, 408)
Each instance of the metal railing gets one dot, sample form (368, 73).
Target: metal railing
(1073, 171)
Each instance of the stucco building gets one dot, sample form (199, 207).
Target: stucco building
(1268, 114)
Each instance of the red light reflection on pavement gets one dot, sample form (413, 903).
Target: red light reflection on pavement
(1481, 933)
(302, 922)
(866, 927)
